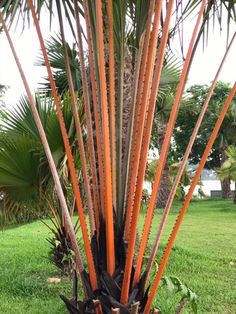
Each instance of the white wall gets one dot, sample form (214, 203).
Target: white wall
(207, 187)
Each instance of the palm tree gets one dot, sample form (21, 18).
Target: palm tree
(115, 281)
(228, 168)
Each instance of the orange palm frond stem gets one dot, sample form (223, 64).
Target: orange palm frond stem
(71, 165)
(119, 123)
(183, 165)
(168, 134)
(144, 62)
(134, 220)
(96, 108)
(148, 130)
(107, 158)
(86, 99)
(139, 117)
(79, 134)
(188, 198)
(112, 96)
(136, 117)
(58, 188)
(98, 307)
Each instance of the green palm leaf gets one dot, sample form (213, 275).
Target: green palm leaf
(19, 167)
(56, 59)
(25, 176)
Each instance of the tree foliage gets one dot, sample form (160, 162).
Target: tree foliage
(195, 97)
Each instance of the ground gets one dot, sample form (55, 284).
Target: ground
(203, 258)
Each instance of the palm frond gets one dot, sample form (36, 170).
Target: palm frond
(56, 59)
(228, 168)
(21, 178)
(217, 11)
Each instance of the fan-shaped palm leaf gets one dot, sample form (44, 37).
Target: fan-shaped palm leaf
(21, 175)
(19, 162)
(56, 58)
(25, 175)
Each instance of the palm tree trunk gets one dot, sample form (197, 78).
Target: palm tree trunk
(165, 181)
(225, 188)
(225, 184)
(164, 187)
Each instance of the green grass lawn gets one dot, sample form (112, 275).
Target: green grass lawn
(204, 258)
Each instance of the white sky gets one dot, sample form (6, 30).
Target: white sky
(203, 68)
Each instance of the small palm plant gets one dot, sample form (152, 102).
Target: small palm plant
(61, 252)
(228, 168)
(126, 45)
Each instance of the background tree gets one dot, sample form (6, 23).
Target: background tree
(189, 112)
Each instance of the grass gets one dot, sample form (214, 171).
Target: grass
(203, 258)
(203, 254)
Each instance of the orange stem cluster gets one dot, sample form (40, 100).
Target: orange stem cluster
(165, 146)
(105, 131)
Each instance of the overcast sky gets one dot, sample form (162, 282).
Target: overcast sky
(203, 68)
